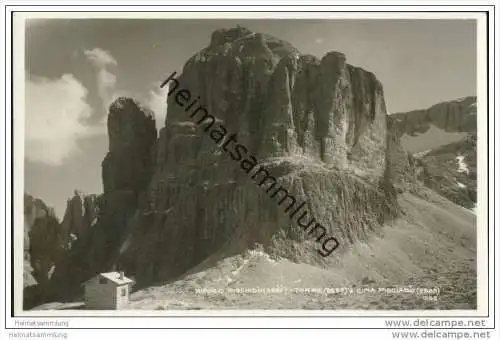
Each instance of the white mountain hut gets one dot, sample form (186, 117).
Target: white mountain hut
(107, 291)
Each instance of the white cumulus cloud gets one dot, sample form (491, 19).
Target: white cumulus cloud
(102, 61)
(100, 57)
(106, 80)
(54, 115)
(157, 102)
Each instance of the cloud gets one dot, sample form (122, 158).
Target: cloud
(319, 40)
(157, 102)
(99, 57)
(55, 109)
(106, 80)
(106, 86)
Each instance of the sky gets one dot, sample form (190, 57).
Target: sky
(75, 68)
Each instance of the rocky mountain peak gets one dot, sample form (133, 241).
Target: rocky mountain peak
(282, 103)
(81, 213)
(132, 136)
(222, 36)
(129, 123)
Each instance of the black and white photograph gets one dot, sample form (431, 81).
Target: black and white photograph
(252, 163)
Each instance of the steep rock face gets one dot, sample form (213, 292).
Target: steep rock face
(401, 165)
(33, 209)
(128, 166)
(44, 241)
(81, 213)
(132, 134)
(45, 247)
(327, 110)
(282, 104)
(48, 243)
(319, 125)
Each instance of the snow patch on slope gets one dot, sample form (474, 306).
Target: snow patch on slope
(462, 166)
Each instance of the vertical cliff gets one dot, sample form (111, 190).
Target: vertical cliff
(81, 213)
(37, 263)
(132, 134)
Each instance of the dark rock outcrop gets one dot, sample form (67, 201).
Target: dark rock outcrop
(45, 246)
(400, 164)
(81, 213)
(44, 241)
(48, 244)
(34, 209)
(132, 135)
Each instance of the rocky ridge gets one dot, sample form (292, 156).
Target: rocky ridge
(452, 116)
(447, 162)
